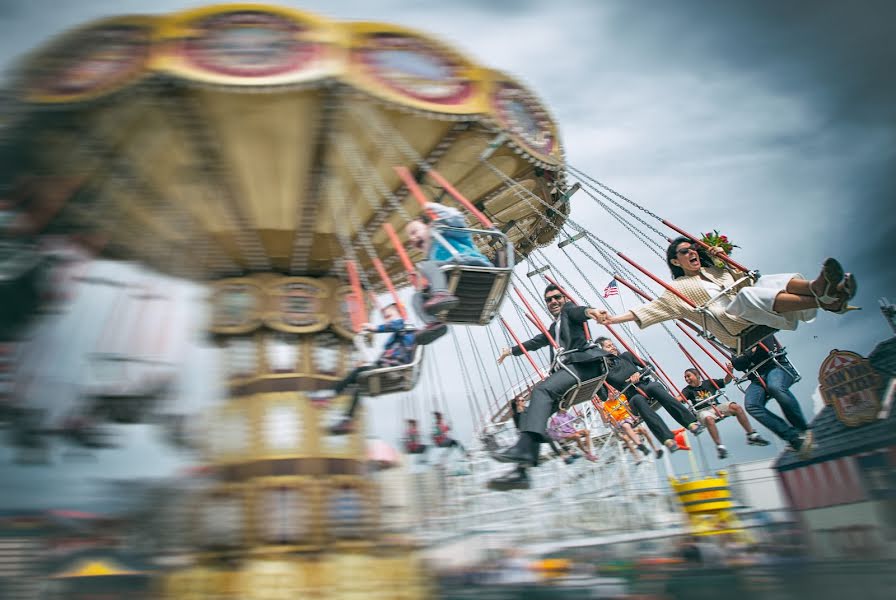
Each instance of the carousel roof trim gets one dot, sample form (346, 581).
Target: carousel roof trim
(400, 65)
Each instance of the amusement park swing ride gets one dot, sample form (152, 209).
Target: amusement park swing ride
(275, 157)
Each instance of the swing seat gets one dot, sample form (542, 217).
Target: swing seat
(752, 335)
(774, 356)
(388, 380)
(747, 338)
(582, 391)
(480, 289)
(414, 449)
(709, 402)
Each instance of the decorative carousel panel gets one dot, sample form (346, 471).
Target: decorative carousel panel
(284, 513)
(237, 306)
(352, 575)
(282, 352)
(230, 433)
(349, 446)
(298, 305)
(284, 425)
(268, 579)
(222, 519)
(405, 67)
(241, 357)
(250, 45)
(327, 354)
(91, 61)
(349, 508)
(520, 113)
(341, 312)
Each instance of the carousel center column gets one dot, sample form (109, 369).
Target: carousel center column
(291, 512)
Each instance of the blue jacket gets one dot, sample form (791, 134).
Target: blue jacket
(399, 349)
(461, 241)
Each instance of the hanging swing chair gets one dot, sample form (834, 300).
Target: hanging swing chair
(480, 290)
(776, 357)
(388, 380)
(582, 391)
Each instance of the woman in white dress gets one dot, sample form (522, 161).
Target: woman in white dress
(779, 301)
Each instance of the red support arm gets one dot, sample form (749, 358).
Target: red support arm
(663, 373)
(632, 287)
(414, 188)
(534, 318)
(687, 324)
(723, 257)
(520, 345)
(446, 185)
(705, 351)
(656, 279)
(413, 276)
(381, 270)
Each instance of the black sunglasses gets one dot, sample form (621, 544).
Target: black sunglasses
(553, 297)
(683, 251)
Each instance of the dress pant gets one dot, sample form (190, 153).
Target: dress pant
(641, 407)
(656, 391)
(546, 395)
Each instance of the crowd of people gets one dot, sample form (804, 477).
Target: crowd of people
(630, 390)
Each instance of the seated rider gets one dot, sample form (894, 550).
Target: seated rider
(440, 435)
(580, 357)
(399, 350)
(518, 406)
(633, 436)
(777, 377)
(699, 391)
(411, 439)
(562, 429)
(460, 249)
(627, 375)
(778, 301)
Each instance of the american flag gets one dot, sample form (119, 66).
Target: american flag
(611, 289)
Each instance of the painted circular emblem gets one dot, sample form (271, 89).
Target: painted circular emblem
(236, 305)
(414, 67)
(91, 61)
(300, 304)
(248, 44)
(525, 117)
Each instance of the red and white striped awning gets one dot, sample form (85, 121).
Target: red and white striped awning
(829, 483)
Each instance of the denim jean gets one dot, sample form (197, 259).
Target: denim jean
(778, 382)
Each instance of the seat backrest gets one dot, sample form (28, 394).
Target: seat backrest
(480, 291)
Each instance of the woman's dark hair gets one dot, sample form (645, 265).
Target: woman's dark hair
(672, 252)
(694, 371)
(600, 341)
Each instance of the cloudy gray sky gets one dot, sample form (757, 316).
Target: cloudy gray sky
(773, 122)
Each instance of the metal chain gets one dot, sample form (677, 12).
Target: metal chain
(651, 244)
(475, 412)
(480, 367)
(363, 173)
(342, 235)
(594, 181)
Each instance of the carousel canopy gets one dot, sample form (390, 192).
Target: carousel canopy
(244, 138)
